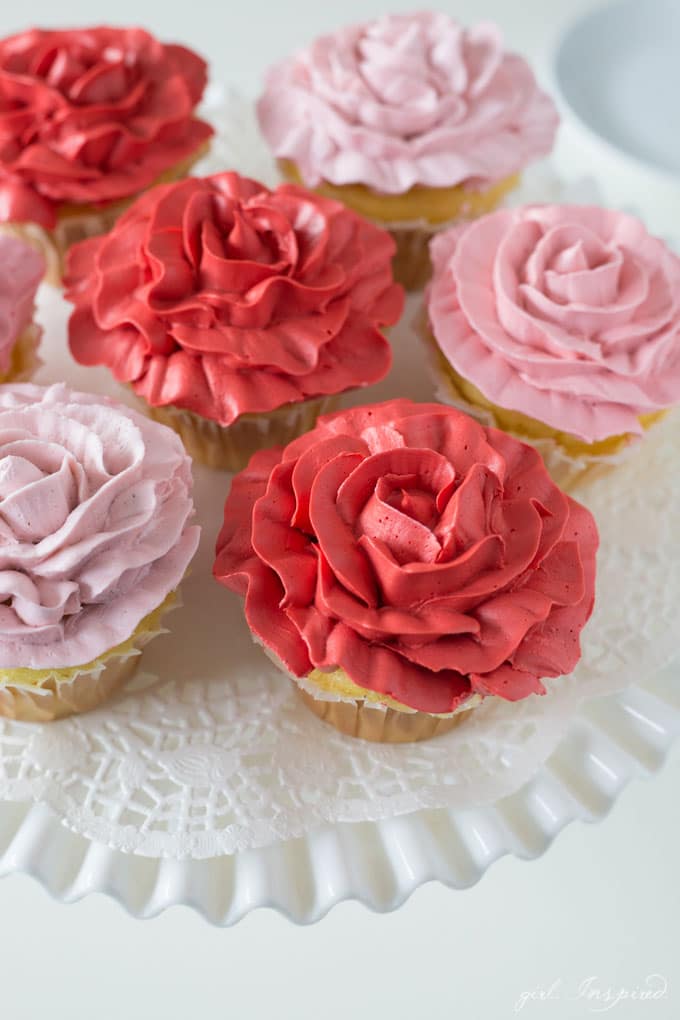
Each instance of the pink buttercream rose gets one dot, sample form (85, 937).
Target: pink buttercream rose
(568, 314)
(406, 100)
(95, 532)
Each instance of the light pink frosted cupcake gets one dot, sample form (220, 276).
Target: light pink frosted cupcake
(21, 270)
(412, 120)
(561, 325)
(96, 537)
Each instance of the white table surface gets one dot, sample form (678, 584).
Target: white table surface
(602, 904)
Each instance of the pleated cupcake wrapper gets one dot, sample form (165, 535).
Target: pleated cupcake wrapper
(355, 719)
(229, 448)
(86, 687)
(88, 221)
(371, 720)
(25, 360)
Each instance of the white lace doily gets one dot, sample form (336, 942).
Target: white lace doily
(213, 752)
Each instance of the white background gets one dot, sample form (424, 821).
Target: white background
(603, 903)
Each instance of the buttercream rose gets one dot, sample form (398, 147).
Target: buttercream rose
(405, 100)
(568, 314)
(221, 297)
(91, 116)
(95, 502)
(427, 557)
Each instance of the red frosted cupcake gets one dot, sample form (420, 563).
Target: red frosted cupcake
(402, 563)
(89, 118)
(234, 311)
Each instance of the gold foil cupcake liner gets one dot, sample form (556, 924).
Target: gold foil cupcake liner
(229, 448)
(78, 223)
(46, 695)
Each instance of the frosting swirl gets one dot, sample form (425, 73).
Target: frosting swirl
(426, 556)
(21, 270)
(95, 502)
(221, 297)
(92, 116)
(569, 314)
(412, 99)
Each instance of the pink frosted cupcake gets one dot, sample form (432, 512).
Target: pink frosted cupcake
(402, 564)
(412, 120)
(21, 270)
(561, 325)
(89, 118)
(235, 312)
(96, 537)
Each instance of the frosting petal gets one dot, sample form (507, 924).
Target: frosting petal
(427, 557)
(95, 503)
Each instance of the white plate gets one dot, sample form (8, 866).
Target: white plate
(613, 740)
(619, 69)
(616, 75)
(379, 863)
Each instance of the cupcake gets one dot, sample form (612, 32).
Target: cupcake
(89, 118)
(412, 120)
(95, 505)
(561, 325)
(403, 564)
(21, 270)
(236, 313)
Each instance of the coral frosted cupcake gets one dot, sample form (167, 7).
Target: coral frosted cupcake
(412, 120)
(21, 270)
(89, 118)
(402, 563)
(237, 313)
(561, 325)
(95, 503)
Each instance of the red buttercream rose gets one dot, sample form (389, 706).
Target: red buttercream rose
(92, 116)
(426, 556)
(221, 297)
